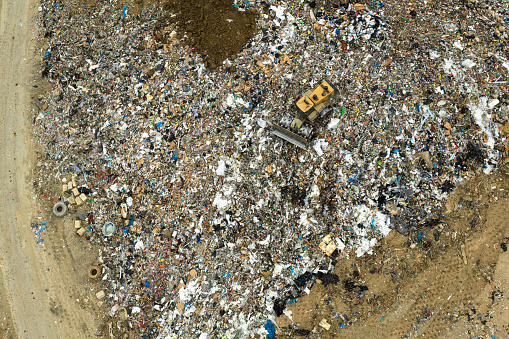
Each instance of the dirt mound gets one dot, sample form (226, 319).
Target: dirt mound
(216, 28)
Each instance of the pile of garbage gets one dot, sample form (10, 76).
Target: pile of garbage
(207, 223)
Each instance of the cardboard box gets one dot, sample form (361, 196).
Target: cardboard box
(327, 245)
(324, 324)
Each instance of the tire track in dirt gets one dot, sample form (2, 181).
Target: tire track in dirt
(39, 293)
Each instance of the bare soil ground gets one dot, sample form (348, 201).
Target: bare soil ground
(44, 290)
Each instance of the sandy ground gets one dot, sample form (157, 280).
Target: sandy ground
(44, 290)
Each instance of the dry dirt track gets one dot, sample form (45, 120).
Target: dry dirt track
(40, 287)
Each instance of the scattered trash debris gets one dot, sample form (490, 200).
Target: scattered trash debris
(168, 146)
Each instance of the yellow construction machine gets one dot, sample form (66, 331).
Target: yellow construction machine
(297, 127)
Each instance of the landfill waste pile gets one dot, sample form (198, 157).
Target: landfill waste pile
(155, 139)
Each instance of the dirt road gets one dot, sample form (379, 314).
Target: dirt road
(43, 290)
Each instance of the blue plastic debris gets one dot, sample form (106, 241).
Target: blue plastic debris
(271, 331)
(38, 232)
(355, 179)
(124, 12)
